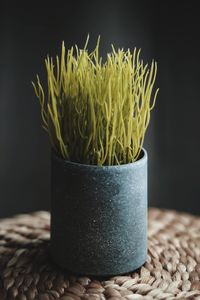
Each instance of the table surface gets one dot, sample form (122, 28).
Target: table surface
(172, 269)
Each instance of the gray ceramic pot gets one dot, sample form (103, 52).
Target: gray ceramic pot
(99, 216)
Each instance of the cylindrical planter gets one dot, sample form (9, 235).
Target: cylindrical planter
(99, 216)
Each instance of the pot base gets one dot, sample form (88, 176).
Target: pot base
(122, 271)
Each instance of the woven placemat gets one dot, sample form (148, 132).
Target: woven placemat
(172, 269)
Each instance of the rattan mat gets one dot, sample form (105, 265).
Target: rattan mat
(172, 269)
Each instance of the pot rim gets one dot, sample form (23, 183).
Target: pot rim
(140, 161)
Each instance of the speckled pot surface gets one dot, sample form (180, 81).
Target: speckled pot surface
(99, 216)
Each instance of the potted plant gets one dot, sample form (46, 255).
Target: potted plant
(96, 114)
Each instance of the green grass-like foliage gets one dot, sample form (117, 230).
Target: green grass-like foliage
(97, 112)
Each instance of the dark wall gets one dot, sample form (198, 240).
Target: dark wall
(177, 116)
(165, 30)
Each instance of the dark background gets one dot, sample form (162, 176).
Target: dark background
(168, 31)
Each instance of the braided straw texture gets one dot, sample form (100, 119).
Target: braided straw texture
(172, 269)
